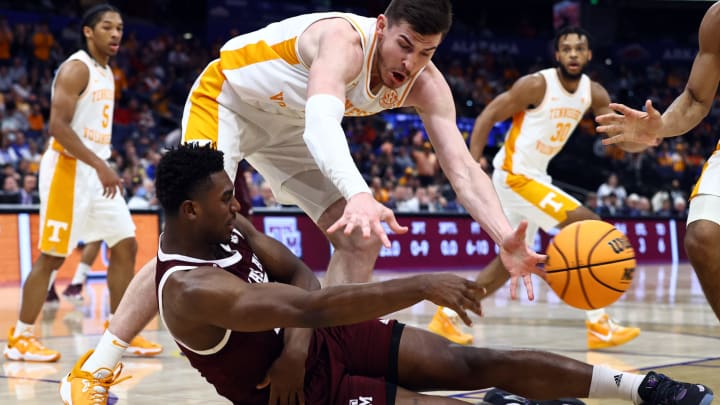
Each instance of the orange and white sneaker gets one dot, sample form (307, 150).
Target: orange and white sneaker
(606, 333)
(142, 347)
(449, 328)
(80, 387)
(28, 348)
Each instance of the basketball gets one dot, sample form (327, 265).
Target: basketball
(590, 264)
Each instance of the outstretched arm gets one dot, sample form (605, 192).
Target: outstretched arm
(527, 91)
(433, 100)
(210, 296)
(332, 47)
(686, 112)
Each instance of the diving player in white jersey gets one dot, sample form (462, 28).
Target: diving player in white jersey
(78, 190)
(545, 107)
(686, 112)
(277, 97)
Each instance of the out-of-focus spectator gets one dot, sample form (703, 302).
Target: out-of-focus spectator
(36, 121)
(17, 69)
(632, 205)
(612, 185)
(405, 200)
(121, 83)
(591, 201)
(379, 192)
(6, 39)
(143, 193)
(423, 198)
(35, 156)
(22, 89)
(644, 206)
(665, 209)
(6, 81)
(28, 192)
(10, 185)
(680, 207)
(22, 44)
(425, 160)
(21, 146)
(657, 200)
(609, 207)
(7, 153)
(266, 197)
(43, 41)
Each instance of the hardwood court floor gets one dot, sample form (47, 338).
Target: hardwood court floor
(680, 336)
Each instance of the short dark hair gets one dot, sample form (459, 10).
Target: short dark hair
(426, 17)
(93, 15)
(571, 29)
(182, 172)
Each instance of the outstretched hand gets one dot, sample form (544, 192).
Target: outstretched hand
(520, 261)
(364, 212)
(631, 125)
(456, 293)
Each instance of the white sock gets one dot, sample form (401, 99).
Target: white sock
(52, 279)
(609, 383)
(22, 328)
(107, 355)
(80, 273)
(449, 312)
(594, 315)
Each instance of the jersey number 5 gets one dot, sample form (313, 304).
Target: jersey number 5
(106, 116)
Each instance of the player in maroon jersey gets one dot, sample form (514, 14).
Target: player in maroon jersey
(239, 305)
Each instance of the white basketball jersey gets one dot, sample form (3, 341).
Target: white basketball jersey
(265, 69)
(538, 134)
(92, 121)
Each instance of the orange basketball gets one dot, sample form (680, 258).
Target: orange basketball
(590, 264)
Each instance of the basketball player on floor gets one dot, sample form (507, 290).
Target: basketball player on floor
(545, 107)
(223, 287)
(686, 112)
(277, 96)
(79, 191)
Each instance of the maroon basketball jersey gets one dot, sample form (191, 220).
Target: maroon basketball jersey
(240, 361)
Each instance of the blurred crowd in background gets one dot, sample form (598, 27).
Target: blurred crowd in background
(153, 77)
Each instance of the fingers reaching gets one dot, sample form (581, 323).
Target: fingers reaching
(392, 222)
(613, 139)
(529, 287)
(380, 231)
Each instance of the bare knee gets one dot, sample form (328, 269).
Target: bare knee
(701, 236)
(127, 248)
(48, 263)
(355, 243)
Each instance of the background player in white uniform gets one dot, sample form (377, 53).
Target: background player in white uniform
(277, 97)
(545, 107)
(78, 190)
(688, 109)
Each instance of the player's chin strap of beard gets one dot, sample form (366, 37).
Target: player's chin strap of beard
(326, 141)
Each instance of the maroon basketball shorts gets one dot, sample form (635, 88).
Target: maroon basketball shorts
(354, 364)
